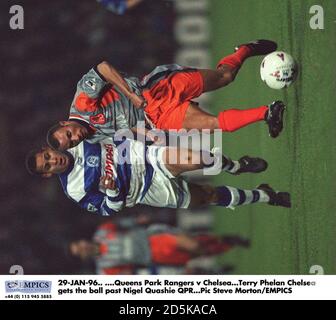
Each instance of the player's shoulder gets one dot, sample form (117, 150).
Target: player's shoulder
(93, 73)
(91, 82)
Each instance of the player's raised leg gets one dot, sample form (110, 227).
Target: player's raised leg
(229, 66)
(231, 120)
(181, 160)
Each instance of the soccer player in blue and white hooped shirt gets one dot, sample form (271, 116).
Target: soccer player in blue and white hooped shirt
(107, 176)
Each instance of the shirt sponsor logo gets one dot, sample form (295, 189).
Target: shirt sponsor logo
(98, 119)
(109, 160)
(28, 286)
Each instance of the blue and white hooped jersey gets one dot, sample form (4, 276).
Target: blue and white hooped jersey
(124, 161)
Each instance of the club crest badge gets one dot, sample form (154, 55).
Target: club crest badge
(91, 83)
(92, 161)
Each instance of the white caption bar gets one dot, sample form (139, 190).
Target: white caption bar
(24, 287)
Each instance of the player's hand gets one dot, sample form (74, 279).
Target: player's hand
(107, 182)
(138, 101)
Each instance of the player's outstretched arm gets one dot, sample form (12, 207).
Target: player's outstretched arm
(114, 77)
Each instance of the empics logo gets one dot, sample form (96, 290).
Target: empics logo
(39, 286)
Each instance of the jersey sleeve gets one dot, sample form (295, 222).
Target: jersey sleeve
(92, 83)
(98, 202)
(89, 90)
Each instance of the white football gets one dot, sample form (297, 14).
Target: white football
(278, 70)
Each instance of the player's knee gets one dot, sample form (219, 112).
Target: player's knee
(228, 76)
(194, 158)
(210, 194)
(212, 123)
(187, 157)
(207, 196)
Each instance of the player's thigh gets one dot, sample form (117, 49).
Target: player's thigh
(167, 192)
(186, 85)
(196, 118)
(215, 79)
(173, 161)
(180, 160)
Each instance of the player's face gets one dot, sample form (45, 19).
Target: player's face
(50, 162)
(83, 249)
(70, 134)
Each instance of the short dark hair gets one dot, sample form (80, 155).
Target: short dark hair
(51, 140)
(31, 162)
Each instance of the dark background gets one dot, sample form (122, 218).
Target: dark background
(40, 67)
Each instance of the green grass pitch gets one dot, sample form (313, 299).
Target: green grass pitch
(303, 159)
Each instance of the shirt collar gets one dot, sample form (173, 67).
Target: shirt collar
(71, 163)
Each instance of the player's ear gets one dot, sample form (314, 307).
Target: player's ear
(46, 175)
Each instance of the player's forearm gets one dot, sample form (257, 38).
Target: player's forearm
(113, 76)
